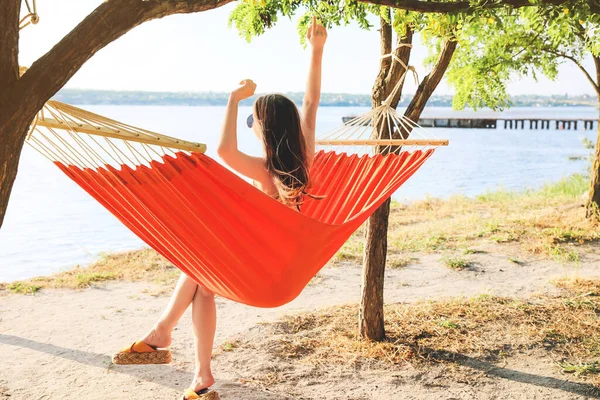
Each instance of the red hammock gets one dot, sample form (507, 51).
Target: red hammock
(233, 239)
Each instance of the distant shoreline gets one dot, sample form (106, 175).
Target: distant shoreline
(207, 99)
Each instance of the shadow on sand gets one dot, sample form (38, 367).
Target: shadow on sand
(493, 370)
(161, 374)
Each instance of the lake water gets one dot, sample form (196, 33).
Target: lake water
(52, 224)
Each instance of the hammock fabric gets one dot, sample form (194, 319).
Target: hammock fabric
(230, 237)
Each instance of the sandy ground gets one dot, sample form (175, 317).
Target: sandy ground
(57, 344)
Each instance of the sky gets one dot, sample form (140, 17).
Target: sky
(199, 53)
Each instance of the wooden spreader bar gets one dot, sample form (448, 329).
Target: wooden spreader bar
(158, 140)
(69, 118)
(383, 142)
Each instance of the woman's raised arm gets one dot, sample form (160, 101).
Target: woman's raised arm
(252, 167)
(316, 36)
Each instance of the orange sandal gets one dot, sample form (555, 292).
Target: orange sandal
(141, 353)
(204, 394)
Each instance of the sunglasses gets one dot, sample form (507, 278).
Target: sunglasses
(250, 120)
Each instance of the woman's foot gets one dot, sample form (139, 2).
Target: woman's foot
(159, 337)
(205, 394)
(202, 382)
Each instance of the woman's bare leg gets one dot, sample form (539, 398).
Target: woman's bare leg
(204, 318)
(160, 335)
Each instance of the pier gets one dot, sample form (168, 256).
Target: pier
(506, 123)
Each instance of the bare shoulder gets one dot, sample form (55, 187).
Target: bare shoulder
(247, 165)
(266, 185)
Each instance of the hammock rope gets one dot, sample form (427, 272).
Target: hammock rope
(361, 133)
(31, 17)
(230, 237)
(407, 68)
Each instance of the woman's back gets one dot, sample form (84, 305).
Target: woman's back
(288, 140)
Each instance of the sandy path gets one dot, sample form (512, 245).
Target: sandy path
(57, 344)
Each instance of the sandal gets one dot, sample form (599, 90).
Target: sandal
(204, 394)
(142, 353)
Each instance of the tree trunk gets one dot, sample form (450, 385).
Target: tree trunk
(592, 207)
(371, 317)
(10, 151)
(9, 43)
(13, 128)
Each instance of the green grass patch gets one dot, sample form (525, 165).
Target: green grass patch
(497, 196)
(351, 251)
(229, 345)
(573, 186)
(580, 369)
(564, 255)
(456, 263)
(446, 323)
(468, 251)
(85, 278)
(587, 143)
(23, 287)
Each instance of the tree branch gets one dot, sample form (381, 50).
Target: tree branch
(595, 84)
(431, 81)
(465, 6)
(597, 64)
(9, 42)
(108, 22)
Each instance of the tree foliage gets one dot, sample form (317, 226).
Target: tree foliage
(534, 41)
(253, 17)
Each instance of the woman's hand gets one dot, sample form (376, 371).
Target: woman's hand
(316, 35)
(246, 89)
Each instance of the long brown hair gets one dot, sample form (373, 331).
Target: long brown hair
(285, 146)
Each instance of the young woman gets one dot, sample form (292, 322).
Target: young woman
(282, 172)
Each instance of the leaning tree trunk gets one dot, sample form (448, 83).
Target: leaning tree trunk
(11, 123)
(10, 151)
(592, 207)
(371, 318)
(21, 98)
(13, 129)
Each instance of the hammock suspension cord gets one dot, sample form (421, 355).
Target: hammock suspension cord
(407, 68)
(31, 17)
(361, 131)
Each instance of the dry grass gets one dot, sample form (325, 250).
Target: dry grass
(141, 265)
(487, 328)
(398, 261)
(548, 222)
(577, 285)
